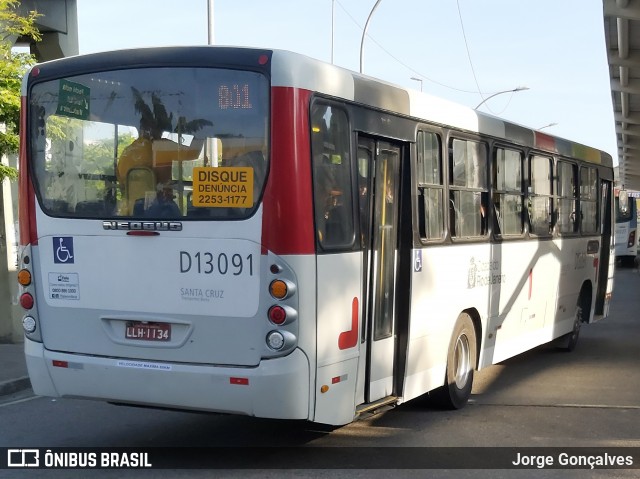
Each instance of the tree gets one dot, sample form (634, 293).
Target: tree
(13, 66)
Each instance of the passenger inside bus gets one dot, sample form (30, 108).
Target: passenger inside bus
(139, 155)
(256, 160)
(163, 205)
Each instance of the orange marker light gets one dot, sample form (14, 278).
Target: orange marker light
(24, 277)
(278, 289)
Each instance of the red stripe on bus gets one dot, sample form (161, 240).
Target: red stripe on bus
(348, 339)
(544, 142)
(26, 196)
(287, 224)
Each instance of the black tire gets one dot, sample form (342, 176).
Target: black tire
(569, 341)
(461, 363)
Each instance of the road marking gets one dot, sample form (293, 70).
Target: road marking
(18, 401)
(585, 406)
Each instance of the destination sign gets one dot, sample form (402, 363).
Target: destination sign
(73, 100)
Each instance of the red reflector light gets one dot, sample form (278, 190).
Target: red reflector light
(142, 233)
(263, 59)
(26, 301)
(240, 381)
(277, 315)
(60, 364)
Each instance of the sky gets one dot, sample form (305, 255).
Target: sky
(458, 48)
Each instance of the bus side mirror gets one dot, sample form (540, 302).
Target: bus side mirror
(623, 201)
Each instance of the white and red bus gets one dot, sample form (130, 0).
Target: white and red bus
(256, 232)
(626, 239)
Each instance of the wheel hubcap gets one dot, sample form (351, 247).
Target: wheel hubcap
(462, 362)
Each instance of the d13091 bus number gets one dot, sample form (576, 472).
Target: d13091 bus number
(222, 263)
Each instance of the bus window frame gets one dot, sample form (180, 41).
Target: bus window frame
(532, 194)
(450, 187)
(416, 186)
(498, 234)
(576, 196)
(595, 200)
(351, 245)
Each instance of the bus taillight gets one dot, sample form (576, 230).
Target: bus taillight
(632, 239)
(280, 315)
(277, 315)
(26, 301)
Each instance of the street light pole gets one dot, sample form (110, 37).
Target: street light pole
(364, 33)
(520, 88)
(418, 79)
(546, 126)
(333, 19)
(210, 33)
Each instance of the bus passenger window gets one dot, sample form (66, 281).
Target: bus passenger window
(508, 192)
(430, 188)
(468, 191)
(539, 202)
(567, 196)
(589, 200)
(333, 192)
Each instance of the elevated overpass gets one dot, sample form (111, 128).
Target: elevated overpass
(622, 36)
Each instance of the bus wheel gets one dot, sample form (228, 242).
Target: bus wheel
(568, 341)
(461, 362)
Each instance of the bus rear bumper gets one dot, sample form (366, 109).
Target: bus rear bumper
(276, 388)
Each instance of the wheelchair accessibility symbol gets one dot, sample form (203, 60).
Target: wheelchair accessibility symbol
(63, 249)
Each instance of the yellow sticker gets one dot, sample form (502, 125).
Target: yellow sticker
(223, 187)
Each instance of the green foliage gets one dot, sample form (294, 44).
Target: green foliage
(155, 119)
(12, 68)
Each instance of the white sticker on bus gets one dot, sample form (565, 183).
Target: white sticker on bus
(65, 286)
(143, 365)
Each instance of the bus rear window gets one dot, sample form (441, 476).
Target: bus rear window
(153, 143)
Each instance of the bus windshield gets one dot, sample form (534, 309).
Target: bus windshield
(152, 143)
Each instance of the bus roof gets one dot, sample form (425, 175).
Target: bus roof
(296, 70)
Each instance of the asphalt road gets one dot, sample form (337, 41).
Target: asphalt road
(543, 398)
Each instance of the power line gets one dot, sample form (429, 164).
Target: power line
(466, 45)
(397, 59)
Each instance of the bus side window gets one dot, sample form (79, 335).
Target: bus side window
(508, 192)
(430, 187)
(468, 188)
(333, 191)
